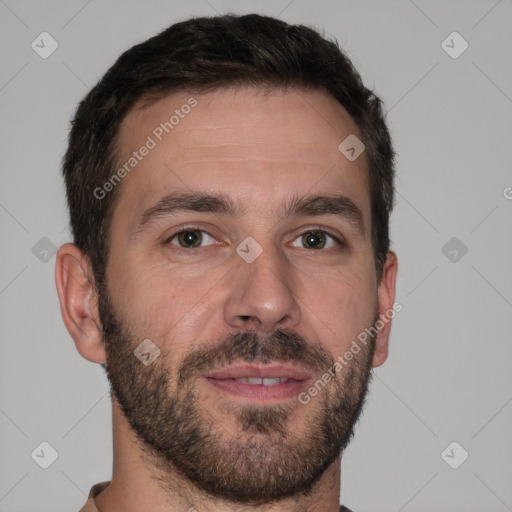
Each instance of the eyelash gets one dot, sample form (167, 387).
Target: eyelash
(169, 239)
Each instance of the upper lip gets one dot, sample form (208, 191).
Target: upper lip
(267, 371)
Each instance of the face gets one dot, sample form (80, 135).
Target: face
(240, 246)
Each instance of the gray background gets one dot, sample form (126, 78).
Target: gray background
(448, 376)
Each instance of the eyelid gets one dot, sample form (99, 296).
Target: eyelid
(332, 233)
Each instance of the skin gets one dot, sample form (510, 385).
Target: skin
(260, 149)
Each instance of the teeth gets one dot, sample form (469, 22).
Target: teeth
(271, 382)
(262, 382)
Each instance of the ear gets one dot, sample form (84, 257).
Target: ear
(78, 302)
(387, 308)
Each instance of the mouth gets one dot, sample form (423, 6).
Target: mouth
(270, 383)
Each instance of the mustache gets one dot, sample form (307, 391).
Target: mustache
(250, 346)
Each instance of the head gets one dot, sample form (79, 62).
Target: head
(240, 237)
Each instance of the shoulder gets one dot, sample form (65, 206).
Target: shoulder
(344, 509)
(97, 488)
(90, 506)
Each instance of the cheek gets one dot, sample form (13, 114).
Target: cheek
(170, 303)
(340, 306)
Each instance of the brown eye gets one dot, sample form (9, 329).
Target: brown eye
(190, 238)
(316, 239)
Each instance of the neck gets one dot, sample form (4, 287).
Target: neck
(140, 483)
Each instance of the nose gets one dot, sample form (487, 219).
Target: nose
(261, 296)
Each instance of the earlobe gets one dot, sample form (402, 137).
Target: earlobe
(78, 302)
(386, 294)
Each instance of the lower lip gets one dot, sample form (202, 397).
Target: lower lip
(258, 392)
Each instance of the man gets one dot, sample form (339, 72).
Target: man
(229, 183)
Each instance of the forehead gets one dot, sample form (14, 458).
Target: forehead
(258, 146)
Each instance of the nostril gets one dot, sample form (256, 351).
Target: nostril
(245, 318)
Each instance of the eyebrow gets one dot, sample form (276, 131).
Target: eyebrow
(219, 203)
(332, 204)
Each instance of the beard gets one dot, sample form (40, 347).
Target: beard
(265, 460)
